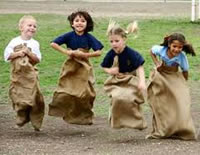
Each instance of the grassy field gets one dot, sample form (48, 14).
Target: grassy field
(151, 32)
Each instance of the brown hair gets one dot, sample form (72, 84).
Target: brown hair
(88, 18)
(187, 48)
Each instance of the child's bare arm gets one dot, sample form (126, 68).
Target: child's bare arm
(141, 75)
(80, 54)
(94, 54)
(155, 60)
(33, 59)
(112, 71)
(185, 74)
(61, 49)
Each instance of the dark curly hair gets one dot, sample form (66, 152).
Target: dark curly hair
(88, 18)
(187, 48)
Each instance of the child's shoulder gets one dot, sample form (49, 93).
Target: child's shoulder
(68, 33)
(89, 35)
(35, 41)
(92, 38)
(111, 52)
(15, 39)
(131, 50)
(127, 48)
(182, 55)
(158, 49)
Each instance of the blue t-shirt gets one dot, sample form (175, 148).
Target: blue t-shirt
(179, 60)
(74, 41)
(129, 60)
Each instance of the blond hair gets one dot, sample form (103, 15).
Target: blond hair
(24, 18)
(115, 29)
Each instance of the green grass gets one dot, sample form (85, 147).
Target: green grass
(151, 32)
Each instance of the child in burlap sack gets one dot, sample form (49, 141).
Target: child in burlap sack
(168, 93)
(74, 97)
(23, 52)
(126, 85)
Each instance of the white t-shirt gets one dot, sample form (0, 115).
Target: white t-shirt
(33, 44)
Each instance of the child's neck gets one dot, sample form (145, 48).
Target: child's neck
(169, 54)
(25, 37)
(79, 33)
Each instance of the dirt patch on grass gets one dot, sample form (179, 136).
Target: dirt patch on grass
(60, 138)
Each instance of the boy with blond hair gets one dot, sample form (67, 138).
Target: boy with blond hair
(23, 52)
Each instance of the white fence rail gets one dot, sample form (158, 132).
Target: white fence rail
(195, 10)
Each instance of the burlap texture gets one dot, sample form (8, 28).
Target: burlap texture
(74, 96)
(24, 91)
(169, 98)
(126, 100)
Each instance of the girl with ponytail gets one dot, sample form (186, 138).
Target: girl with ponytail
(126, 85)
(168, 93)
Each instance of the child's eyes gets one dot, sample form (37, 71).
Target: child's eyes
(174, 46)
(112, 41)
(83, 21)
(179, 47)
(32, 26)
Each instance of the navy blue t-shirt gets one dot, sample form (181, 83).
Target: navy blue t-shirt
(74, 41)
(129, 60)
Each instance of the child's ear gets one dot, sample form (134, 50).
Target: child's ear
(72, 25)
(125, 39)
(20, 28)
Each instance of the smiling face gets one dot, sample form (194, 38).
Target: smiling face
(117, 43)
(28, 28)
(79, 24)
(175, 48)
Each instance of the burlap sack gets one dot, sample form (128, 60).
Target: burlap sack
(126, 101)
(24, 91)
(169, 98)
(74, 96)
